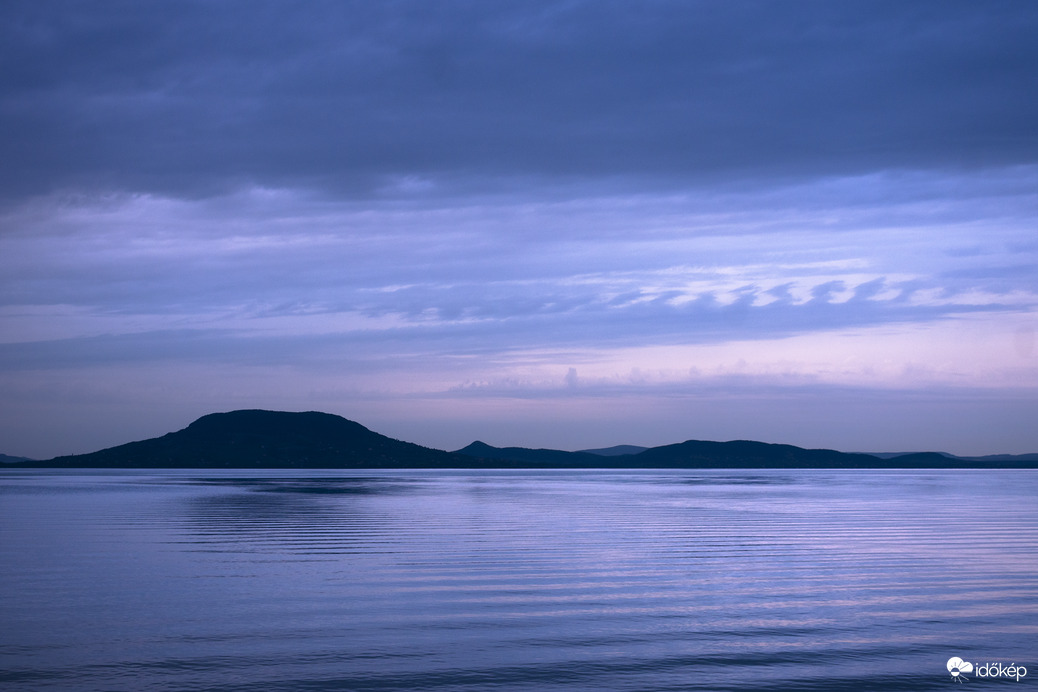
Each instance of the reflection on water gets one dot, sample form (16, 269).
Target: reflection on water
(520, 580)
(316, 485)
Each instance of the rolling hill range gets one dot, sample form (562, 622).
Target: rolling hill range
(274, 439)
(738, 454)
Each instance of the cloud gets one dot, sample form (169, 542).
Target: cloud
(414, 202)
(291, 272)
(354, 97)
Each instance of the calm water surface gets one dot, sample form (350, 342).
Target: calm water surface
(518, 580)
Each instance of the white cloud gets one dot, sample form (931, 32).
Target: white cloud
(976, 351)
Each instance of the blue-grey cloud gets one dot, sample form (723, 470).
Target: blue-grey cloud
(197, 97)
(348, 205)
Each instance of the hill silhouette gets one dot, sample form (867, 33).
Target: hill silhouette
(749, 454)
(266, 439)
(690, 454)
(737, 454)
(615, 451)
(313, 440)
(539, 458)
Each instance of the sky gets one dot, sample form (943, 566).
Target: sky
(543, 224)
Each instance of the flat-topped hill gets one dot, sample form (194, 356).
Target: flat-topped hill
(267, 439)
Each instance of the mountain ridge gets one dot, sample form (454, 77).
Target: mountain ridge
(255, 438)
(744, 454)
(615, 450)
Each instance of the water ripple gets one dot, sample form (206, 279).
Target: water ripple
(453, 581)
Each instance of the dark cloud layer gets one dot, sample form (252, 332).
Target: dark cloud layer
(198, 97)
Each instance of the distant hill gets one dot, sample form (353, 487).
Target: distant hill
(741, 454)
(1001, 458)
(7, 459)
(266, 439)
(891, 455)
(749, 454)
(544, 458)
(691, 454)
(990, 460)
(618, 450)
(274, 439)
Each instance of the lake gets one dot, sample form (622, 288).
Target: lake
(517, 580)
